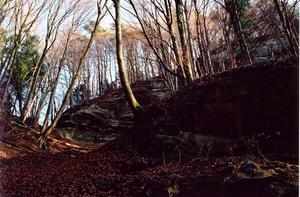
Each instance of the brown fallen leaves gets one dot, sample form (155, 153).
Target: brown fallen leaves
(113, 170)
(113, 173)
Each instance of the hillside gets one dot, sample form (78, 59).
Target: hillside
(188, 145)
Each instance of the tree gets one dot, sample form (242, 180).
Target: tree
(22, 23)
(291, 35)
(26, 59)
(47, 130)
(184, 42)
(4, 8)
(131, 100)
(232, 8)
(155, 21)
(203, 37)
(54, 22)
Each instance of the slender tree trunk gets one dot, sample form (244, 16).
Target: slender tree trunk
(75, 78)
(207, 46)
(169, 20)
(131, 100)
(53, 89)
(293, 42)
(52, 29)
(202, 67)
(11, 62)
(201, 61)
(40, 108)
(182, 33)
(190, 42)
(151, 44)
(237, 27)
(28, 102)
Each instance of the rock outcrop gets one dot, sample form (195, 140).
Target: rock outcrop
(258, 103)
(248, 109)
(103, 118)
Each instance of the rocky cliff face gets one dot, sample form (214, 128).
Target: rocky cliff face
(100, 119)
(250, 108)
(259, 103)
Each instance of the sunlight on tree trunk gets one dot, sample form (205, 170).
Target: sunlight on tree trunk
(132, 102)
(183, 39)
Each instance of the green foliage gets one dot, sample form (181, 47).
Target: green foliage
(25, 60)
(243, 7)
(27, 57)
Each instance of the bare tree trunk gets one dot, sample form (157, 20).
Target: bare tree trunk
(151, 44)
(169, 20)
(202, 66)
(53, 88)
(52, 29)
(183, 40)
(45, 133)
(231, 8)
(10, 64)
(3, 9)
(131, 100)
(190, 43)
(207, 44)
(293, 42)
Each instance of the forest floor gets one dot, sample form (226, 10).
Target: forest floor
(68, 169)
(112, 171)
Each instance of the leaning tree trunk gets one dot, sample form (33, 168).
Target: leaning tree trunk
(292, 40)
(53, 89)
(131, 100)
(76, 77)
